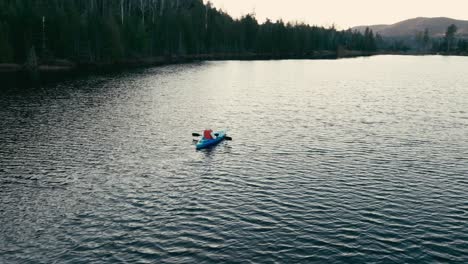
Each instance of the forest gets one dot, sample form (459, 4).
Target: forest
(93, 31)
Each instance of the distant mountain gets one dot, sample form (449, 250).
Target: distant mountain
(436, 26)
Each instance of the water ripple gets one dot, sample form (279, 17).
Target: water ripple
(325, 167)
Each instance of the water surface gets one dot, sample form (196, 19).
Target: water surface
(353, 160)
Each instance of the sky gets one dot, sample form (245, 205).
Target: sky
(345, 13)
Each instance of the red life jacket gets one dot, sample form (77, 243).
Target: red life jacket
(207, 134)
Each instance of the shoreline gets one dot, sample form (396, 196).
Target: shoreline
(59, 70)
(67, 66)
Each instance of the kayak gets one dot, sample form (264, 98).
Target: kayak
(207, 143)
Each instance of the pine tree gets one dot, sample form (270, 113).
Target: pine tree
(426, 38)
(110, 30)
(450, 36)
(6, 51)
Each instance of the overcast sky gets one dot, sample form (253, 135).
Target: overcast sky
(345, 13)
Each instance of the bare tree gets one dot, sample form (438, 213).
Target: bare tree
(162, 8)
(122, 10)
(142, 7)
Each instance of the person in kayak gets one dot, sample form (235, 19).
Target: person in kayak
(208, 134)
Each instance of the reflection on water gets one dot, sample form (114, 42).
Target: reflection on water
(355, 160)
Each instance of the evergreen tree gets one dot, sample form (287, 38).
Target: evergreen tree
(419, 40)
(6, 51)
(426, 38)
(93, 31)
(450, 36)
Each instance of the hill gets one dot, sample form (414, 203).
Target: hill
(436, 26)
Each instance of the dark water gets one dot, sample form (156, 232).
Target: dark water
(347, 161)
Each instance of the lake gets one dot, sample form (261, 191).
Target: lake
(332, 161)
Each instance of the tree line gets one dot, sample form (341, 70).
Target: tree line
(87, 31)
(449, 43)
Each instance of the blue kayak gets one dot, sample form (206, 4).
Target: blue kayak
(207, 143)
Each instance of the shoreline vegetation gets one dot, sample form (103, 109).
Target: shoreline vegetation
(64, 65)
(67, 66)
(13, 74)
(53, 38)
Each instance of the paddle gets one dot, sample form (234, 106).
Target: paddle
(226, 137)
